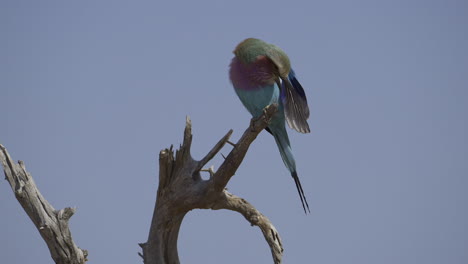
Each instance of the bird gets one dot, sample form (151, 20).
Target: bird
(261, 75)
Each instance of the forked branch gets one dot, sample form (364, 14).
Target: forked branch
(181, 189)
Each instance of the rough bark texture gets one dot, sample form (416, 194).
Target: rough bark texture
(51, 224)
(182, 189)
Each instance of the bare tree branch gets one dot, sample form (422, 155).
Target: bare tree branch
(234, 203)
(51, 224)
(214, 150)
(181, 189)
(236, 156)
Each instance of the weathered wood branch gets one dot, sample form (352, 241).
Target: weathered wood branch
(232, 202)
(51, 224)
(182, 189)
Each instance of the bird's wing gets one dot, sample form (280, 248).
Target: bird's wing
(294, 100)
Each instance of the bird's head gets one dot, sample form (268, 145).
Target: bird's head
(252, 49)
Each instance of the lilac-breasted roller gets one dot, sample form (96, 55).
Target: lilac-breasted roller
(261, 75)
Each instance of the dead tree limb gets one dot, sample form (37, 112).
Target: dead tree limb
(51, 224)
(182, 189)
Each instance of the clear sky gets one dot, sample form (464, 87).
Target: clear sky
(91, 91)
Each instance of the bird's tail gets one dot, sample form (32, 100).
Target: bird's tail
(282, 140)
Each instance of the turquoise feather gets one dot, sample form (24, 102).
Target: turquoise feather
(258, 73)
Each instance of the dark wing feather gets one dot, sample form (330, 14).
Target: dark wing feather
(298, 88)
(294, 100)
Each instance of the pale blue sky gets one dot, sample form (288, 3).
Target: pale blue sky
(91, 91)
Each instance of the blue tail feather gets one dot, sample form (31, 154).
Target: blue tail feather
(282, 140)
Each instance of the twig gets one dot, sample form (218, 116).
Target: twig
(215, 150)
